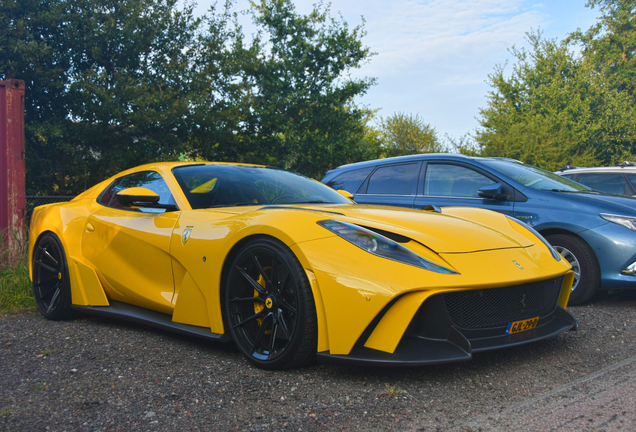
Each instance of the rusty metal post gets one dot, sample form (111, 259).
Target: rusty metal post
(12, 169)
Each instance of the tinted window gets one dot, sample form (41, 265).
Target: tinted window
(632, 179)
(146, 179)
(207, 186)
(533, 177)
(453, 180)
(394, 179)
(351, 180)
(608, 183)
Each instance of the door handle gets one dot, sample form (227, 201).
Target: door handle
(90, 227)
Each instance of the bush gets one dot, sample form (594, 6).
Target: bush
(16, 292)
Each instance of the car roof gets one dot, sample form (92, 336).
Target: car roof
(624, 167)
(415, 157)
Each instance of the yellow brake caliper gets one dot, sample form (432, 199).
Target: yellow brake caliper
(260, 306)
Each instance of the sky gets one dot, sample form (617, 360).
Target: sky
(434, 56)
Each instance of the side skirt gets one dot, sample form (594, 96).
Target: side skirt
(151, 318)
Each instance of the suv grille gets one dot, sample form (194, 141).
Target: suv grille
(496, 307)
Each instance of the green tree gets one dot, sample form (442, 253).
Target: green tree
(299, 100)
(110, 84)
(116, 83)
(554, 108)
(405, 134)
(610, 45)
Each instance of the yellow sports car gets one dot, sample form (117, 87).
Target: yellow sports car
(291, 270)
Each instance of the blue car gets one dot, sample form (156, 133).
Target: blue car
(595, 232)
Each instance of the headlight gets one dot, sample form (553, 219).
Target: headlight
(554, 253)
(381, 246)
(626, 221)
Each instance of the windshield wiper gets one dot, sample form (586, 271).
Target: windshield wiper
(247, 203)
(571, 191)
(311, 202)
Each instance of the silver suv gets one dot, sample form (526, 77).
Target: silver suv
(616, 180)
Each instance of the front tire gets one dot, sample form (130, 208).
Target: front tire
(587, 275)
(51, 282)
(269, 306)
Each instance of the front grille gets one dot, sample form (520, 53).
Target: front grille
(496, 307)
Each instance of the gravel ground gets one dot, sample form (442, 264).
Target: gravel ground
(93, 374)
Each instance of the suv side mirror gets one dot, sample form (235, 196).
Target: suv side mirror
(492, 191)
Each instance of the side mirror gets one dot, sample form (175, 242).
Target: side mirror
(137, 196)
(345, 194)
(491, 191)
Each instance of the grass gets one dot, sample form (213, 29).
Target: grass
(16, 291)
(391, 390)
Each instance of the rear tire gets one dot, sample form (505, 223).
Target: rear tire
(587, 275)
(51, 282)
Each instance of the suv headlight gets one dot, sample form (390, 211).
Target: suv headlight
(554, 253)
(381, 246)
(626, 221)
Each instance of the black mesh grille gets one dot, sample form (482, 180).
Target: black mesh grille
(496, 307)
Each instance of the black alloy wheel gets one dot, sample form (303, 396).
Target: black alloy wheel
(51, 283)
(587, 274)
(269, 307)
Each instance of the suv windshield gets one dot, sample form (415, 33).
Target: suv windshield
(533, 177)
(207, 186)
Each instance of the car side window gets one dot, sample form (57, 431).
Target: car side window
(453, 181)
(632, 179)
(146, 179)
(569, 176)
(608, 183)
(350, 180)
(394, 180)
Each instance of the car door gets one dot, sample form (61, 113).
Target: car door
(448, 183)
(130, 247)
(394, 184)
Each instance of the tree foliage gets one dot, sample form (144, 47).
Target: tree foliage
(404, 134)
(115, 83)
(556, 107)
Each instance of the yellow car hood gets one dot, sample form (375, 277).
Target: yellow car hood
(454, 230)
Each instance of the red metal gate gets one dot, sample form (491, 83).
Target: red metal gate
(12, 183)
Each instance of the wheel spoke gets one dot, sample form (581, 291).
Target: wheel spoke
(281, 284)
(275, 271)
(259, 335)
(272, 341)
(247, 300)
(287, 306)
(54, 287)
(252, 282)
(53, 302)
(252, 318)
(261, 270)
(46, 252)
(283, 325)
(46, 267)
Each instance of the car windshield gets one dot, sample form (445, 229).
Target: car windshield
(533, 177)
(207, 186)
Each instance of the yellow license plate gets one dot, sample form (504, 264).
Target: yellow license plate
(523, 325)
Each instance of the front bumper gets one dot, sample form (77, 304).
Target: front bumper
(442, 331)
